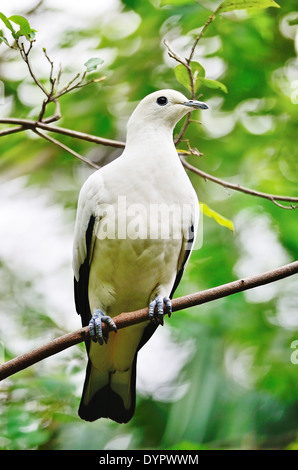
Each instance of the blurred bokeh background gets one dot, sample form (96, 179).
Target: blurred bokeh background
(215, 376)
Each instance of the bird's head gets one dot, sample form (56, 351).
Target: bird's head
(162, 108)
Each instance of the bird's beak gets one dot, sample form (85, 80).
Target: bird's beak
(196, 104)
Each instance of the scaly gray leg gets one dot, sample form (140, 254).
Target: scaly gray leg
(157, 305)
(95, 326)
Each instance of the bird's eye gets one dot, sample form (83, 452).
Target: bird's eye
(162, 101)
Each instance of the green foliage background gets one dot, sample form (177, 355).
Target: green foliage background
(237, 387)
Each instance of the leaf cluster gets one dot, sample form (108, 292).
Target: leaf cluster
(24, 28)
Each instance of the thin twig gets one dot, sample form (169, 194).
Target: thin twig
(80, 84)
(183, 130)
(187, 65)
(237, 187)
(12, 130)
(131, 318)
(81, 135)
(67, 149)
(52, 79)
(65, 89)
(201, 34)
(173, 54)
(25, 56)
(54, 94)
(33, 125)
(57, 114)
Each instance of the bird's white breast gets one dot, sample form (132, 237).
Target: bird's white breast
(142, 218)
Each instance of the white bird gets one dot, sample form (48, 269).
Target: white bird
(136, 222)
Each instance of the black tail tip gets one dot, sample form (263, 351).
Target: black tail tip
(106, 404)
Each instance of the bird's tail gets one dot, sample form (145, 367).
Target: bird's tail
(108, 394)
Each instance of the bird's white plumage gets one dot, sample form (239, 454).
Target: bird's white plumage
(126, 273)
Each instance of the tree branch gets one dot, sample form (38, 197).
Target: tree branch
(66, 148)
(201, 34)
(237, 187)
(12, 130)
(131, 318)
(187, 64)
(25, 124)
(25, 56)
(53, 95)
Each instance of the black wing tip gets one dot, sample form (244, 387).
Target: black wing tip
(81, 285)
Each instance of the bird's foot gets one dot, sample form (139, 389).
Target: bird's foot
(156, 308)
(95, 326)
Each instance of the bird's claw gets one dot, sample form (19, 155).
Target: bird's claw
(95, 326)
(156, 308)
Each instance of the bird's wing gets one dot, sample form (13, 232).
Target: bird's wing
(183, 258)
(84, 238)
(187, 244)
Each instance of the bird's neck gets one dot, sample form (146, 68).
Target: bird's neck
(152, 140)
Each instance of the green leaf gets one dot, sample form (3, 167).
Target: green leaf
(198, 72)
(174, 2)
(3, 39)
(220, 219)
(32, 34)
(214, 84)
(25, 29)
(6, 22)
(231, 5)
(182, 75)
(93, 63)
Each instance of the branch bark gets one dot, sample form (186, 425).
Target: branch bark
(186, 62)
(237, 187)
(25, 124)
(66, 148)
(36, 126)
(131, 318)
